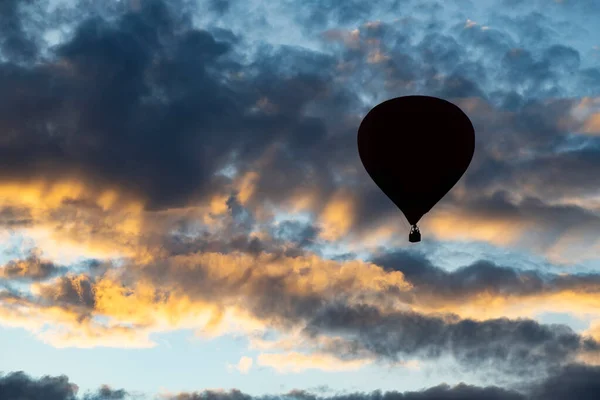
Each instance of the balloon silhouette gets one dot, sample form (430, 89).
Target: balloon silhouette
(416, 148)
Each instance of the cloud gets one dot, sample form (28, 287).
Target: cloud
(106, 393)
(529, 223)
(485, 289)
(224, 173)
(65, 322)
(31, 268)
(18, 385)
(577, 381)
(329, 302)
(508, 346)
(573, 380)
(170, 294)
(587, 114)
(297, 362)
(243, 366)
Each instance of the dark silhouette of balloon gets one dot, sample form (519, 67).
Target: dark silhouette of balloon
(416, 148)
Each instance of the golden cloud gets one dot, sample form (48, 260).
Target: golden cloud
(61, 326)
(70, 217)
(216, 304)
(298, 362)
(456, 224)
(337, 217)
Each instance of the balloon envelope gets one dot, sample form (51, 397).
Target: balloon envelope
(416, 148)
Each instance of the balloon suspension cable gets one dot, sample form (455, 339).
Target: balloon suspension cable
(404, 220)
(415, 234)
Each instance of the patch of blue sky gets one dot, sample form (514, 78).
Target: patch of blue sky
(589, 266)
(305, 218)
(230, 169)
(183, 362)
(576, 322)
(341, 250)
(13, 246)
(15, 286)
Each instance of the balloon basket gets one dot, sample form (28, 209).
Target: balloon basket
(415, 235)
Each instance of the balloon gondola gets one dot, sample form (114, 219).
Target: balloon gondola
(416, 148)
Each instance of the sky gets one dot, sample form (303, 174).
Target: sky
(184, 215)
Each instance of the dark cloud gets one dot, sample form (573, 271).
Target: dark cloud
(15, 217)
(432, 283)
(158, 108)
(572, 381)
(441, 392)
(125, 108)
(70, 291)
(33, 267)
(507, 346)
(213, 395)
(106, 393)
(18, 385)
(565, 170)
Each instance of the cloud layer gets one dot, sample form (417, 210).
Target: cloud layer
(176, 171)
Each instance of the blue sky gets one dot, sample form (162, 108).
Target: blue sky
(183, 209)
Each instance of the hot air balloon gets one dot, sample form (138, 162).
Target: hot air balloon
(416, 148)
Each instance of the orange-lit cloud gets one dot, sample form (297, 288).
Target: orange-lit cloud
(61, 326)
(69, 217)
(586, 113)
(215, 294)
(456, 224)
(33, 267)
(592, 124)
(298, 362)
(337, 217)
(483, 306)
(146, 307)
